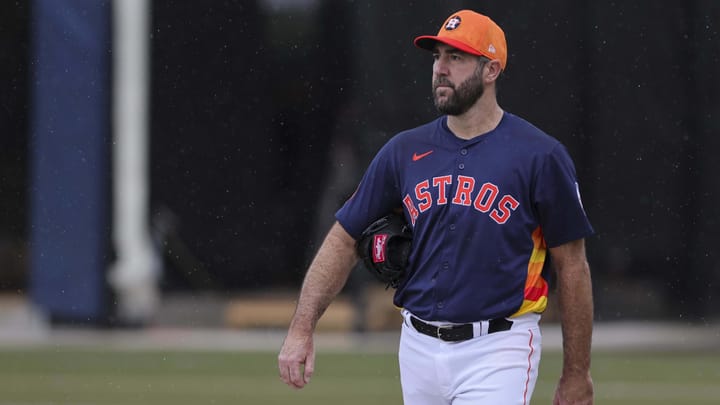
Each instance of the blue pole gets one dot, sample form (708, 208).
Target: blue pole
(69, 152)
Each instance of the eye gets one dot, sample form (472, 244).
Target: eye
(435, 56)
(456, 57)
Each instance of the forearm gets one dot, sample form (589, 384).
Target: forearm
(576, 307)
(576, 311)
(325, 278)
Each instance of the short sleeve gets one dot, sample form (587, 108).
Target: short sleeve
(557, 200)
(376, 195)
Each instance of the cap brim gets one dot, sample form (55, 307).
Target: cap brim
(428, 43)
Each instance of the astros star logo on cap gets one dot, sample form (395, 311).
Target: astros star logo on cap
(453, 23)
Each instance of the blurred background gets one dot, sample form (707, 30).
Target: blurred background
(252, 121)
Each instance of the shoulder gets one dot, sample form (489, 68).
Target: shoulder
(519, 129)
(410, 138)
(420, 132)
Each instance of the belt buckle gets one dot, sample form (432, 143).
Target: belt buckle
(440, 329)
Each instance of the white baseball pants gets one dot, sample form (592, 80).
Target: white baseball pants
(499, 368)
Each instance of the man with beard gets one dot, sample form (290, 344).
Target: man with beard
(487, 196)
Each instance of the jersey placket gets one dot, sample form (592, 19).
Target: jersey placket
(445, 275)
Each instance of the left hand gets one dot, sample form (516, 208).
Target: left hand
(574, 389)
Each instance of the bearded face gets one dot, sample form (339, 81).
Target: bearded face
(454, 99)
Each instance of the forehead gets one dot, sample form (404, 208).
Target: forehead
(440, 47)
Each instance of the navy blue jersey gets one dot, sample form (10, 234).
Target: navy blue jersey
(483, 212)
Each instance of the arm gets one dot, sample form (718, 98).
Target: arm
(325, 278)
(576, 314)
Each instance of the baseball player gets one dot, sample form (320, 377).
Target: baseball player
(487, 196)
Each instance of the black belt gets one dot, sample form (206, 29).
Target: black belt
(457, 333)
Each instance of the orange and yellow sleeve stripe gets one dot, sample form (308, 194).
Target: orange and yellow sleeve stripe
(536, 287)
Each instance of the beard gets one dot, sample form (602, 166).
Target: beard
(462, 97)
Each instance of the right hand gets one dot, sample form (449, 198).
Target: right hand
(296, 360)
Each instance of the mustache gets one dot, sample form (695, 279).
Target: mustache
(442, 81)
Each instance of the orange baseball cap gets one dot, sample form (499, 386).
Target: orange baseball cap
(469, 32)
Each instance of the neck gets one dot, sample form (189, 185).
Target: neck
(481, 118)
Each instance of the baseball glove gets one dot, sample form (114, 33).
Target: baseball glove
(384, 248)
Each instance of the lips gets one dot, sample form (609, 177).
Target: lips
(442, 84)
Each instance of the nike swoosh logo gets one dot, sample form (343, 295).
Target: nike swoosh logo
(417, 157)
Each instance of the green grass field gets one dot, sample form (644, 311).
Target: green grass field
(93, 376)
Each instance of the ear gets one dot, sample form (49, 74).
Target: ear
(493, 70)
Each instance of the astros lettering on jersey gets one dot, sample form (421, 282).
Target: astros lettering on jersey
(517, 188)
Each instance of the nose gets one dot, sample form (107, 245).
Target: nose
(440, 67)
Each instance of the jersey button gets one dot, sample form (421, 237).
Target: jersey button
(452, 227)
(461, 166)
(440, 304)
(463, 152)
